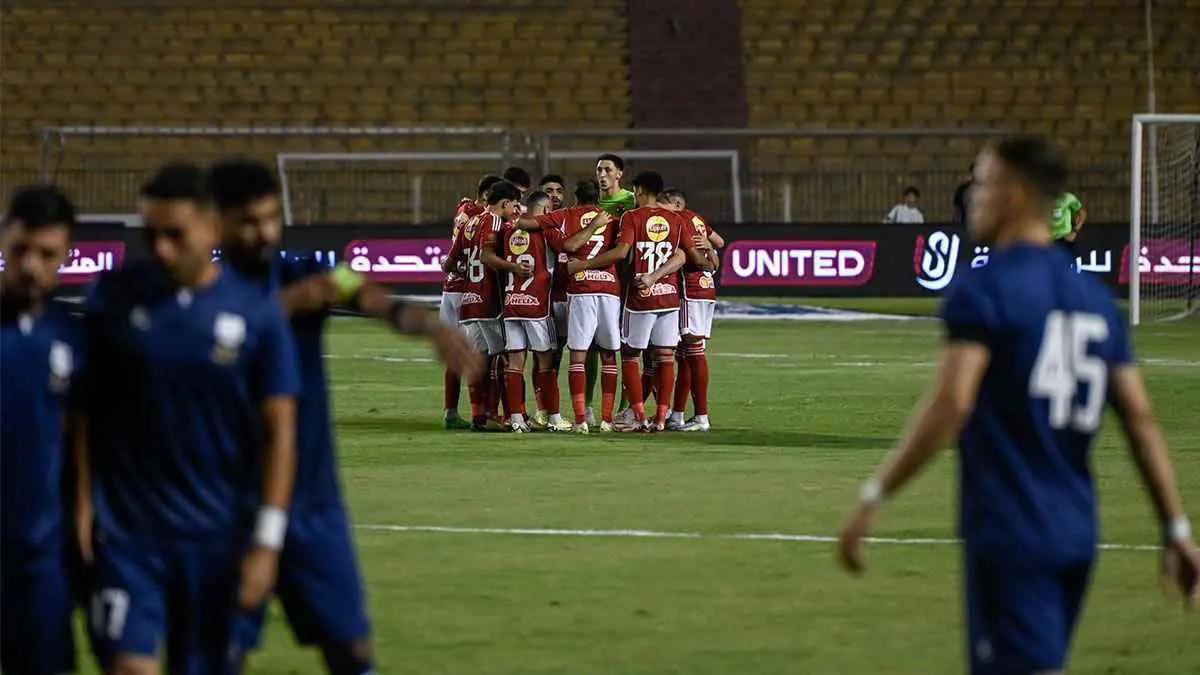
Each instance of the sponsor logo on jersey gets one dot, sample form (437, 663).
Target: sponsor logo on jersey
(595, 275)
(469, 232)
(936, 259)
(586, 219)
(461, 219)
(658, 289)
(706, 280)
(518, 243)
(472, 298)
(657, 228)
(701, 228)
(521, 300)
(229, 332)
(62, 362)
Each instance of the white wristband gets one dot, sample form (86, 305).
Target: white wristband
(271, 528)
(1179, 529)
(871, 493)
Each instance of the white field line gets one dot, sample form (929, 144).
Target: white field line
(653, 534)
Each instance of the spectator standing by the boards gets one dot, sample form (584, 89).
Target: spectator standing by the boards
(961, 195)
(906, 211)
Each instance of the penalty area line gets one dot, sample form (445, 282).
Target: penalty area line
(728, 536)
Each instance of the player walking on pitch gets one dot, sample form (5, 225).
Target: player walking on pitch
(695, 319)
(1034, 352)
(39, 355)
(651, 316)
(319, 582)
(452, 290)
(189, 399)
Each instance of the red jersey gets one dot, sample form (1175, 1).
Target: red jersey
(560, 225)
(526, 297)
(466, 210)
(653, 234)
(698, 284)
(481, 294)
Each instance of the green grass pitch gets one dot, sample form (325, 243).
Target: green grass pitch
(801, 413)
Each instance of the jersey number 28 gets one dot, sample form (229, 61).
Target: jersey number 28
(1063, 363)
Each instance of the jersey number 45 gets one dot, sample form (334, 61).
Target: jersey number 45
(1064, 363)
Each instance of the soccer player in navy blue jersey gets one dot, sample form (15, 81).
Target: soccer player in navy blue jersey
(39, 354)
(319, 582)
(1034, 353)
(190, 402)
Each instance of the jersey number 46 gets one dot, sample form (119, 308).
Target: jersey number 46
(1063, 363)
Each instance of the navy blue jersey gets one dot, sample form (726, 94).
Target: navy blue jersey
(317, 483)
(175, 393)
(38, 356)
(1054, 335)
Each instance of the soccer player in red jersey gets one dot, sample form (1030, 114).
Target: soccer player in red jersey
(696, 316)
(552, 185)
(527, 263)
(519, 177)
(452, 291)
(584, 232)
(655, 235)
(481, 301)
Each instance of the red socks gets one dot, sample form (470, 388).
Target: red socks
(632, 377)
(665, 378)
(547, 390)
(577, 382)
(683, 383)
(514, 391)
(697, 363)
(608, 388)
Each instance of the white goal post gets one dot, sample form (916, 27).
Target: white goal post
(1164, 218)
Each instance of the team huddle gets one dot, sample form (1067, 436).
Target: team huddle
(619, 273)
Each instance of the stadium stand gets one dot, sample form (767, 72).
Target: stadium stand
(303, 63)
(1075, 69)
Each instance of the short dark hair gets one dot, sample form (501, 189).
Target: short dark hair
(502, 191)
(178, 182)
(234, 183)
(552, 178)
(487, 182)
(536, 198)
(673, 193)
(40, 206)
(518, 176)
(1037, 161)
(615, 159)
(649, 181)
(587, 192)
(911, 190)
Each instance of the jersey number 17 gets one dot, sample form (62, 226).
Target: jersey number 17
(1063, 363)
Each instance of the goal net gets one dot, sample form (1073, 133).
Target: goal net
(1164, 234)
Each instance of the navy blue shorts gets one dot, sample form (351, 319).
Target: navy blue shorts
(177, 595)
(1020, 619)
(35, 615)
(319, 585)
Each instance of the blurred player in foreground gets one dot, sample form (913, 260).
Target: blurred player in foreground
(319, 582)
(190, 404)
(39, 354)
(695, 319)
(1033, 354)
(452, 290)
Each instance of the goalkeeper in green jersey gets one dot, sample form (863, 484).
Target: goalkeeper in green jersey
(1068, 218)
(616, 200)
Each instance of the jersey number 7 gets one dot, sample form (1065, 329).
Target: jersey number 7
(1063, 363)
